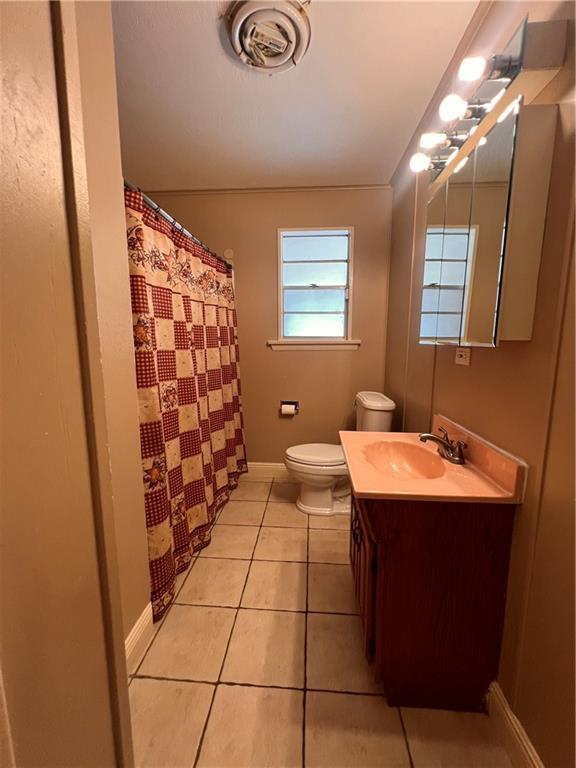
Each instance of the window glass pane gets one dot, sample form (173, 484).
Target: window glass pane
(453, 273)
(455, 246)
(434, 246)
(449, 326)
(442, 300)
(428, 326)
(432, 272)
(319, 248)
(314, 325)
(315, 274)
(314, 300)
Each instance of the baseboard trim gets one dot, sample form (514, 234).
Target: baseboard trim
(139, 639)
(264, 470)
(512, 735)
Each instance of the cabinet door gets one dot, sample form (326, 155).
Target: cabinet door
(363, 556)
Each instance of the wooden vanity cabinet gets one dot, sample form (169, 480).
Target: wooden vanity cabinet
(430, 579)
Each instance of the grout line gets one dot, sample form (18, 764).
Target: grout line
(218, 682)
(232, 684)
(405, 733)
(304, 697)
(272, 610)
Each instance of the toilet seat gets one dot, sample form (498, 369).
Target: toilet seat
(317, 455)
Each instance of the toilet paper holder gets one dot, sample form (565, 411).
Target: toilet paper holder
(289, 408)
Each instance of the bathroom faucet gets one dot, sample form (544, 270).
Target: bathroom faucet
(448, 449)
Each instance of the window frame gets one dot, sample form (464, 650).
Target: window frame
(317, 341)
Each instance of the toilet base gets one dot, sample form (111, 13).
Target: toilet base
(340, 506)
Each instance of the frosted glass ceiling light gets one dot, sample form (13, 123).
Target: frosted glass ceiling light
(453, 107)
(431, 140)
(419, 162)
(472, 69)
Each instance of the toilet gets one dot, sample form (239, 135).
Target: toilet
(321, 469)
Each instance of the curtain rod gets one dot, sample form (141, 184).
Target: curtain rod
(171, 220)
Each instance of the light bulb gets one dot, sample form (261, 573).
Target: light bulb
(482, 141)
(419, 162)
(431, 140)
(472, 68)
(453, 107)
(461, 165)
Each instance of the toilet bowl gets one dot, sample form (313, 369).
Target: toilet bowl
(321, 470)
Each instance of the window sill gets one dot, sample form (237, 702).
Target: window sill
(314, 345)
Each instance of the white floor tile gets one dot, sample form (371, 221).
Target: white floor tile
(282, 491)
(190, 644)
(215, 582)
(331, 589)
(159, 708)
(257, 491)
(441, 739)
(276, 586)
(252, 728)
(236, 541)
(353, 732)
(282, 544)
(242, 513)
(335, 655)
(266, 648)
(328, 546)
(284, 515)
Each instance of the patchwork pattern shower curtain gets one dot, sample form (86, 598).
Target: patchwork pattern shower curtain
(191, 429)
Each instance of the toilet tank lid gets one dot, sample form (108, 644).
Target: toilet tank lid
(322, 454)
(375, 401)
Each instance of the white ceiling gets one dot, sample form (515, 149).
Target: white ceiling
(193, 118)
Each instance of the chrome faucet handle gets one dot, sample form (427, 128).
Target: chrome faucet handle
(458, 448)
(444, 433)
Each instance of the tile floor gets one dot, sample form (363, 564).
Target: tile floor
(259, 662)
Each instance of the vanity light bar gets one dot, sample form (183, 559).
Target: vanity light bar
(453, 108)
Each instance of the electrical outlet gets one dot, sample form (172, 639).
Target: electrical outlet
(463, 355)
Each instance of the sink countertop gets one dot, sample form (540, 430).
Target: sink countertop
(490, 475)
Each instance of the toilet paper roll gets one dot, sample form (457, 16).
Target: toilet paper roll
(287, 410)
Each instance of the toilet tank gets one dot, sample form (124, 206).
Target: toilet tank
(373, 412)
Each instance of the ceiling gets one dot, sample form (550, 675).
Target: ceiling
(191, 117)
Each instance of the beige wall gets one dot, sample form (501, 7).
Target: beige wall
(59, 644)
(506, 395)
(323, 382)
(113, 333)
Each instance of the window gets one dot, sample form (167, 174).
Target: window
(314, 284)
(447, 267)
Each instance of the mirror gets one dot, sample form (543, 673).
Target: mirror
(491, 192)
(465, 237)
(433, 248)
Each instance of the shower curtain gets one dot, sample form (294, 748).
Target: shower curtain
(191, 429)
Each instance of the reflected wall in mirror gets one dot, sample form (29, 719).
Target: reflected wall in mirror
(491, 191)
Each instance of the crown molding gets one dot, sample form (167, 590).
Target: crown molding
(269, 190)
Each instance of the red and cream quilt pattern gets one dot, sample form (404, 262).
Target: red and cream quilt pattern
(188, 380)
